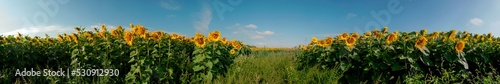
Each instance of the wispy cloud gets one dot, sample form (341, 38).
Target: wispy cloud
(51, 30)
(251, 26)
(476, 21)
(249, 31)
(205, 19)
(170, 5)
(351, 15)
(265, 32)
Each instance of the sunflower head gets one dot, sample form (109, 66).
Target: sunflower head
(160, 33)
(466, 36)
(452, 34)
(128, 37)
(101, 34)
(200, 42)
(355, 35)
(60, 38)
(392, 37)
(223, 40)
(214, 36)
(459, 46)
(232, 51)
(421, 42)
(424, 32)
(385, 29)
(314, 40)
(103, 28)
(88, 36)
(75, 37)
(236, 44)
(328, 41)
(154, 36)
(115, 33)
(174, 36)
(350, 42)
(367, 34)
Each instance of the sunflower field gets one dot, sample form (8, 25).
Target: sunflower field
(382, 56)
(138, 55)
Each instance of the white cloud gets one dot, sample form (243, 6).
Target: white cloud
(170, 4)
(251, 26)
(256, 37)
(351, 15)
(265, 32)
(51, 30)
(205, 19)
(476, 21)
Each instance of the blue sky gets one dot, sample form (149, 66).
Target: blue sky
(273, 23)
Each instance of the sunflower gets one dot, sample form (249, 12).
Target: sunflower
(459, 46)
(375, 32)
(60, 38)
(89, 36)
(232, 51)
(328, 41)
(101, 34)
(175, 36)
(435, 35)
(140, 30)
(75, 37)
(128, 38)
(119, 28)
(385, 29)
(476, 36)
(214, 36)
(200, 42)
(115, 33)
(490, 37)
(223, 40)
(236, 44)
(67, 37)
(367, 34)
(314, 40)
(322, 43)
(350, 42)
(466, 36)
(154, 36)
(421, 42)
(355, 35)
(103, 28)
(424, 32)
(452, 34)
(160, 33)
(392, 37)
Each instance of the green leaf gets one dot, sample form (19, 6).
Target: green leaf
(198, 68)
(199, 58)
(209, 64)
(396, 67)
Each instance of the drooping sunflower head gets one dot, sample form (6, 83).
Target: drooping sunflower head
(74, 37)
(174, 36)
(115, 33)
(119, 28)
(375, 32)
(314, 40)
(421, 42)
(214, 36)
(452, 34)
(459, 46)
(154, 36)
(103, 28)
(355, 35)
(424, 32)
(129, 38)
(392, 37)
(466, 36)
(385, 29)
(350, 42)
(88, 36)
(60, 38)
(200, 42)
(67, 37)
